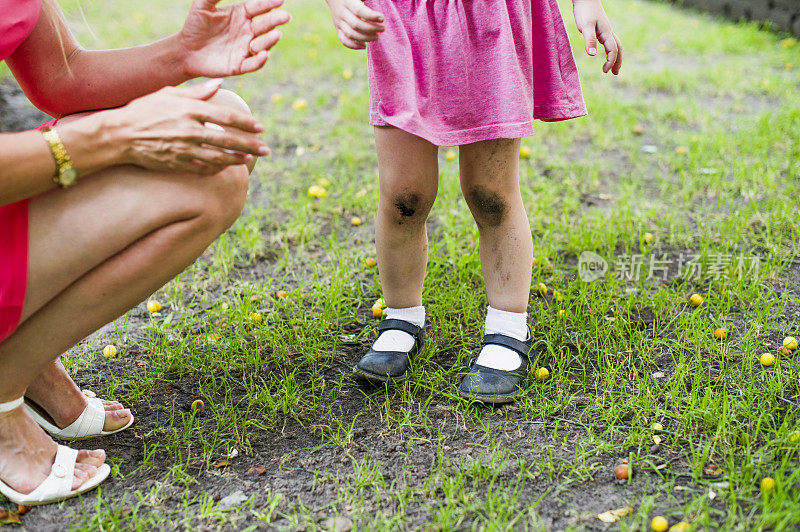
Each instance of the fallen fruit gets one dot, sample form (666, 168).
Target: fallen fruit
(316, 191)
(680, 150)
(721, 334)
(153, 306)
(767, 359)
(542, 289)
(198, 405)
(790, 343)
(541, 374)
(648, 238)
(638, 129)
(299, 104)
(256, 317)
(109, 351)
(658, 427)
(558, 296)
(213, 337)
(681, 526)
(524, 152)
(280, 294)
(784, 351)
(659, 523)
(377, 312)
(347, 73)
(622, 472)
(370, 262)
(324, 182)
(276, 98)
(355, 220)
(450, 155)
(696, 300)
(253, 298)
(767, 485)
(794, 437)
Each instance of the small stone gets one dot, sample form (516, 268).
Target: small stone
(337, 523)
(232, 501)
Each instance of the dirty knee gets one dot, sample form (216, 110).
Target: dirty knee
(489, 207)
(409, 207)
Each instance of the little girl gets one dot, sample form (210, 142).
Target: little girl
(472, 73)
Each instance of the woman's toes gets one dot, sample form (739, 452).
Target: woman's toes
(112, 405)
(116, 419)
(83, 472)
(94, 458)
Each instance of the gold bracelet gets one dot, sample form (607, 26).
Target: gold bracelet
(66, 174)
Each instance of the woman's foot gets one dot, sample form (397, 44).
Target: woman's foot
(27, 454)
(55, 392)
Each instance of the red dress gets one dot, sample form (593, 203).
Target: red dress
(17, 20)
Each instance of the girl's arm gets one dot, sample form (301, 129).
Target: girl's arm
(593, 23)
(214, 42)
(355, 23)
(163, 131)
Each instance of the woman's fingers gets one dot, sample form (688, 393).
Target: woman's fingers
(254, 8)
(230, 140)
(214, 157)
(265, 42)
(225, 116)
(270, 21)
(254, 62)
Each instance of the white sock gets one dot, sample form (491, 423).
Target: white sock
(394, 340)
(513, 324)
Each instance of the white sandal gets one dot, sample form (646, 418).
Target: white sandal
(88, 425)
(58, 485)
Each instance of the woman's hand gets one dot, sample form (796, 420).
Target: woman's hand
(167, 131)
(356, 24)
(229, 40)
(593, 23)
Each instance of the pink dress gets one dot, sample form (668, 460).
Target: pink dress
(461, 71)
(17, 19)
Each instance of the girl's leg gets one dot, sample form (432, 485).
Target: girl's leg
(53, 389)
(490, 183)
(95, 251)
(409, 179)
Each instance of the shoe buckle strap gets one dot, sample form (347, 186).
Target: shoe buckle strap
(522, 348)
(400, 325)
(11, 405)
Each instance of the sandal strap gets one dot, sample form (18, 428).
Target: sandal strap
(523, 348)
(400, 325)
(89, 423)
(59, 482)
(11, 405)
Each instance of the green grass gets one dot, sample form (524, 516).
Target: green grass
(622, 355)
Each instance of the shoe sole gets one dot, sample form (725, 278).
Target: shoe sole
(375, 378)
(490, 399)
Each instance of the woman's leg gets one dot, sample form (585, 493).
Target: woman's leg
(490, 183)
(53, 389)
(409, 179)
(96, 250)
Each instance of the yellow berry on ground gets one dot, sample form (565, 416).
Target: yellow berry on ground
(696, 300)
(542, 374)
(658, 427)
(253, 298)
(299, 104)
(450, 155)
(316, 191)
(659, 523)
(347, 73)
(377, 312)
(648, 238)
(680, 150)
(681, 526)
(767, 359)
(790, 343)
(277, 97)
(153, 306)
(256, 317)
(638, 129)
(213, 337)
(524, 152)
(355, 220)
(767, 485)
(370, 262)
(542, 289)
(198, 405)
(794, 437)
(324, 182)
(384, 313)
(721, 333)
(280, 294)
(622, 472)
(109, 351)
(558, 296)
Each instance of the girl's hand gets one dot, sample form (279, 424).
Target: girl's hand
(593, 23)
(230, 40)
(167, 131)
(355, 23)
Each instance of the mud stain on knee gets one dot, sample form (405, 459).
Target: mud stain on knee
(488, 206)
(407, 205)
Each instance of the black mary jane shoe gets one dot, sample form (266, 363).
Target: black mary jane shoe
(382, 366)
(490, 385)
